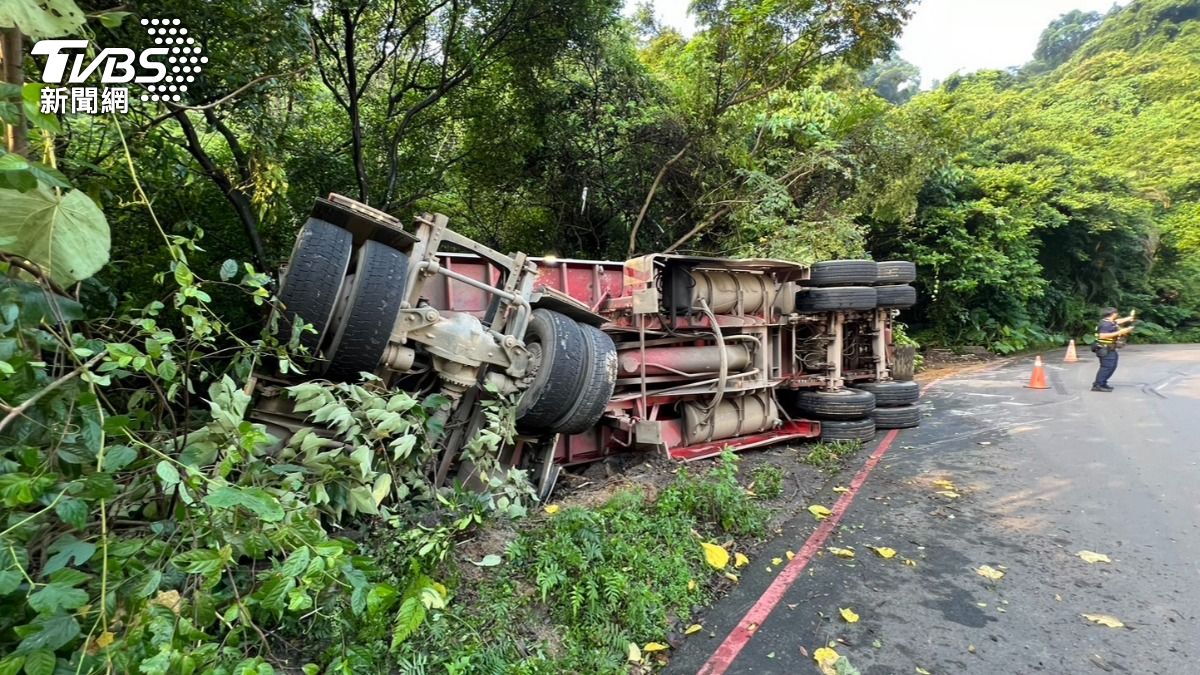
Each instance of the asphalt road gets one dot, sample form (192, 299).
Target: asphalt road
(1042, 475)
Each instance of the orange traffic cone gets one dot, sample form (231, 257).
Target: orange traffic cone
(1038, 379)
(1071, 357)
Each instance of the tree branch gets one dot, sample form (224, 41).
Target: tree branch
(662, 171)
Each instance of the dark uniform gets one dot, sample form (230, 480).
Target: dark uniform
(1106, 349)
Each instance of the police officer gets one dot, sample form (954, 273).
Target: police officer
(1109, 337)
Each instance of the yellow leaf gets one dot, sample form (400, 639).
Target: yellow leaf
(841, 552)
(551, 508)
(922, 671)
(824, 656)
(910, 562)
(1104, 620)
(948, 493)
(777, 561)
(849, 615)
(694, 628)
(883, 551)
(169, 599)
(104, 639)
(731, 576)
(841, 490)
(716, 556)
(989, 572)
(635, 654)
(691, 584)
(790, 555)
(652, 647)
(819, 512)
(740, 560)
(1093, 557)
(944, 484)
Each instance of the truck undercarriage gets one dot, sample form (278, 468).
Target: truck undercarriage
(684, 356)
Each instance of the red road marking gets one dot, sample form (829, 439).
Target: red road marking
(741, 634)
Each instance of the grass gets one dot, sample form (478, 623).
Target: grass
(576, 588)
(832, 456)
(767, 481)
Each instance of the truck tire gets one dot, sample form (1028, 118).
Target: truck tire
(895, 297)
(896, 272)
(900, 417)
(371, 307)
(842, 273)
(599, 376)
(844, 298)
(313, 278)
(893, 393)
(862, 429)
(843, 404)
(558, 346)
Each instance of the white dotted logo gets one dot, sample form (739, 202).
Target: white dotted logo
(184, 59)
(165, 69)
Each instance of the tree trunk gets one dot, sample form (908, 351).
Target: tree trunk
(12, 60)
(236, 197)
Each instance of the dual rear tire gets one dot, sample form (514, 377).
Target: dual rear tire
(354, 339)
(576, 372)
(895, 404)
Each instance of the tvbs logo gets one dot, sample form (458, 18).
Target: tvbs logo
(164, 70)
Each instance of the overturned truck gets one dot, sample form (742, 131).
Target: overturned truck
(680, 355)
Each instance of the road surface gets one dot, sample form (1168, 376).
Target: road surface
(1041, 475)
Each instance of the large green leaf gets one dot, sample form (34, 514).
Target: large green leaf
(41, 18)
(66, 233)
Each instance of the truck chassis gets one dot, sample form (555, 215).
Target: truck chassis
(680, 355)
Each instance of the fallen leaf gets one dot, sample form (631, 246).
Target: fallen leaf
(751, 628)
(489, 560)
(635, 653)
(777, 561)
(841, 552)
(731, 576)
(652, 647)
(740, 560)
(883, 551)
(848, 614)
(990, 573)
(841, 490)
(824, 656)
(922, 671)
(1104, 620)
(910, 562)
(716, 556)
(170, 600)
(551, 508)
(944, 484)
(790, 555)
(694, 628)
(771, 655)
(1093, 557)
(1057, 597)
(950, 494)
(819, 512)
(691, 584)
